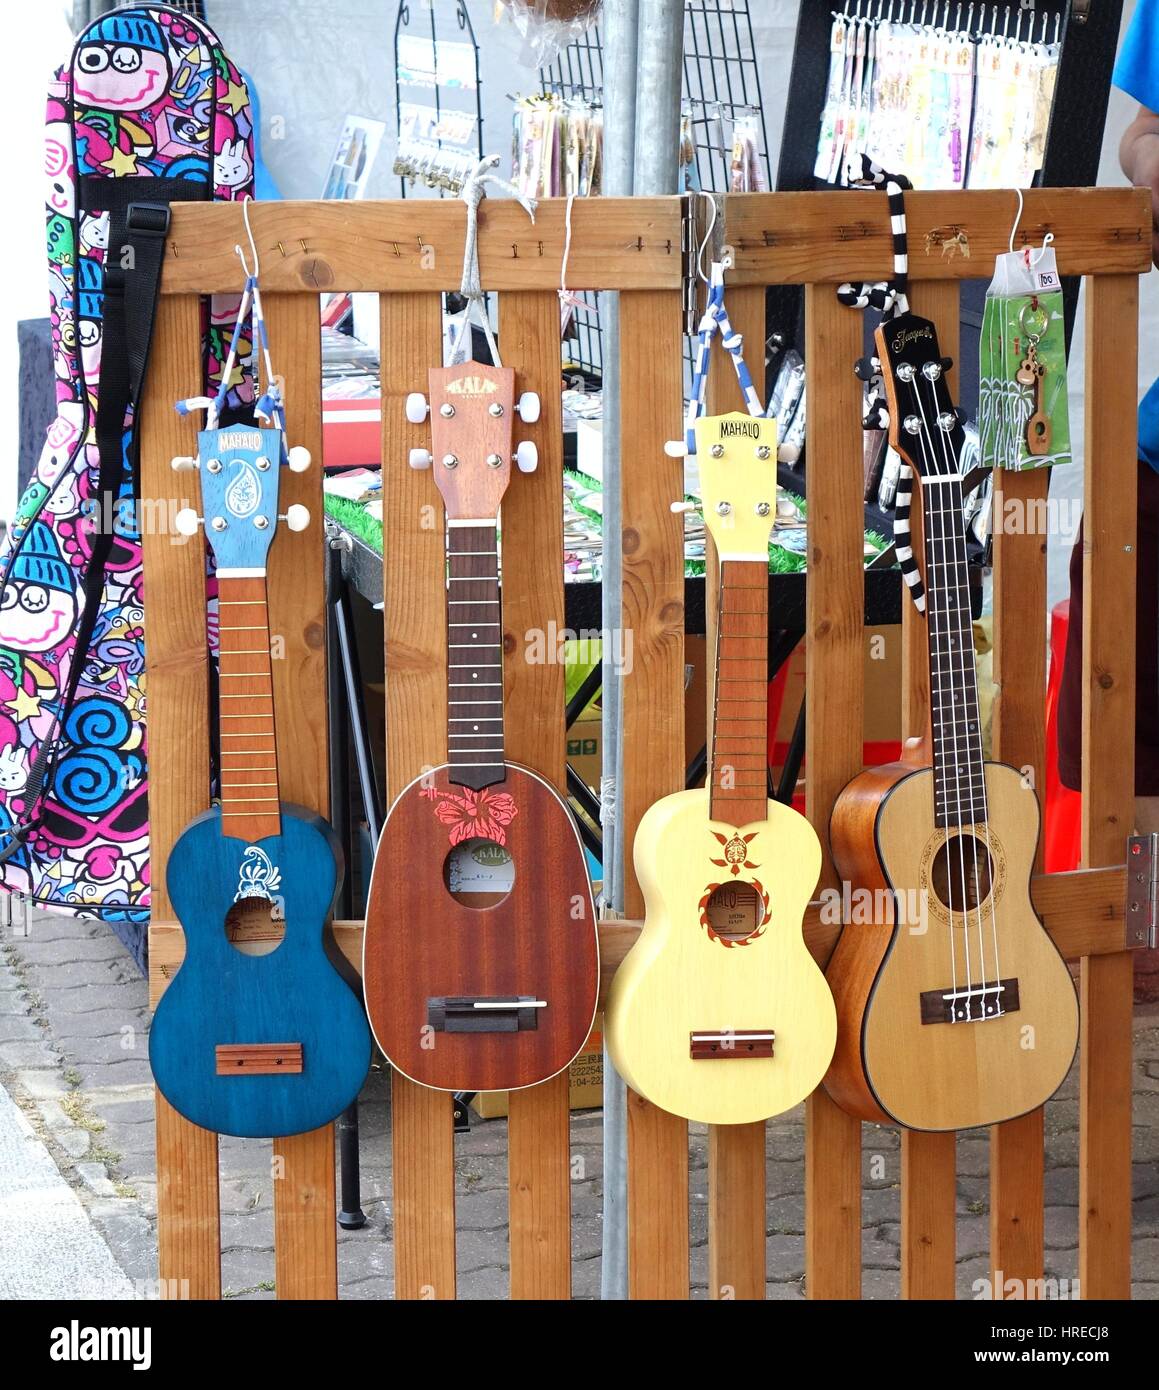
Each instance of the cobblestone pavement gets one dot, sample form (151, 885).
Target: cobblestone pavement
(73, 1054)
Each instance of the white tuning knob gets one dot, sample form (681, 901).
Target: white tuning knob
(417, 408)
(528, 407)
(526, 456)
(420, 458)
(297, 517)
(676, 448)
(788, 453)
(299, 458)
(682, 507)
(187, 521)
(183, 463)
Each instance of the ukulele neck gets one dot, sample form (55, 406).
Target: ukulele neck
(474, 656)
(959, 769)
(249, 755)
(739, 776)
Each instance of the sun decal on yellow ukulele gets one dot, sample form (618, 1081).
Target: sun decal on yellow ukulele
(736, 858)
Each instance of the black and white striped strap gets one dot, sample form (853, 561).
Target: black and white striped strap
(889, 299)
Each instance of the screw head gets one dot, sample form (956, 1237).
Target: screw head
(495, 409)
(261, 522)
(723, 508)
(763, 451)
(262, 464)
(717, 451)
(219, 523)
(763, 509)
(450, 461)
(494, 460)
(446, 410)
(213, 466)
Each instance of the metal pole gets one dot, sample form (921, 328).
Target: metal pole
(620, 27)
(661, 47)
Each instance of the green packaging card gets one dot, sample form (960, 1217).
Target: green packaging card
(1020, 389)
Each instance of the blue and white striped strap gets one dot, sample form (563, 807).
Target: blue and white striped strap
(715, 320)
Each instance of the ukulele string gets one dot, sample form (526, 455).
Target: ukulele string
(961, 583)
(941, 595)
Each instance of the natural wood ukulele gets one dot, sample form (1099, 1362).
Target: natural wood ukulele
(258, 1034)
(719, 1012)
(955, 1008)
(480, 961)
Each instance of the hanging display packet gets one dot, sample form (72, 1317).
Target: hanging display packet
(1023, 414)
(959, 109)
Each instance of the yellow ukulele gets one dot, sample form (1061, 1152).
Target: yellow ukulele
(719, 1012)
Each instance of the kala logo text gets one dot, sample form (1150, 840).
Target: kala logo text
(472, 386)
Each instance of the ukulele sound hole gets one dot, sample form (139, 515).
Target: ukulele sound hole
(479, 873)
(735, 911)
(255, 926)
(962, 869)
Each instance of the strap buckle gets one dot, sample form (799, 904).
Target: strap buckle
(148, 219)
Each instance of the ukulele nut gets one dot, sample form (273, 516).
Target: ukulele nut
(450, 461)
(912, 424)
(763, 451)
(717, 451)
(446, 410)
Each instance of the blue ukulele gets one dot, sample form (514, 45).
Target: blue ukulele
(258, 1034)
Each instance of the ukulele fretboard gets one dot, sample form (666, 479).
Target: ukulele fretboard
(740, 741)
(959, 769)
(249, 758)
(474, 656)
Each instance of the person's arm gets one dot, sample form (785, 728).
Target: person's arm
(1139, 160)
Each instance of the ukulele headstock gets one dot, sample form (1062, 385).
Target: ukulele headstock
(925, 427)
(472, 410)
(240, 476)
(737, 458)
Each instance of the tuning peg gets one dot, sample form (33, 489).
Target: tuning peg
(788, 453)
(297, 517)
(528, 407)
(187, 521)
(676, 448)
(947, 364)
(183, 463)
(682, 507)
(526, 456)
(420, 458)
(866, 368)
(299, 458)
(417, 407)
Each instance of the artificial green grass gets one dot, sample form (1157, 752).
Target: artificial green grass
(353, 517)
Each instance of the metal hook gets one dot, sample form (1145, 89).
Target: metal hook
(249, 231)
(707, 236)
(1017, 217)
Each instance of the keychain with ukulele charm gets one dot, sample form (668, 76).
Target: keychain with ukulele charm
(1032, 373)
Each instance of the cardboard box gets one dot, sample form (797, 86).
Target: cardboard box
(585, 1081)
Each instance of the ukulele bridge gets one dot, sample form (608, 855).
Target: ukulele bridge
(480, 1014)
(974, 1004)
(258, 1059)
(719, 1045)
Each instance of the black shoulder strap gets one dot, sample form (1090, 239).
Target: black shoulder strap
(137, 232)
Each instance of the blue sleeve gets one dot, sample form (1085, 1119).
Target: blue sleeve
(1137, 67)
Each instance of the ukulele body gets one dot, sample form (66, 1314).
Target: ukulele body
(221, 997)
(897, 1058)
(538, 943)
(683, 978)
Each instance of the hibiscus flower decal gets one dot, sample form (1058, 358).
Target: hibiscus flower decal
(474, 814)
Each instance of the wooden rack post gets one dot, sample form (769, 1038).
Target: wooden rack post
(411, 252)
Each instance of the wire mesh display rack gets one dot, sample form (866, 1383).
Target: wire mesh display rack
(721, 84)
(436, 21)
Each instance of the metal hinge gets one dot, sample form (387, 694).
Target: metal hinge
(689, 246)
(1080, 11)
(1142, 885)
